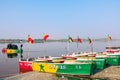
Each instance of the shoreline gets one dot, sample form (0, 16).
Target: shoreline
(34, 75)
(109, 73)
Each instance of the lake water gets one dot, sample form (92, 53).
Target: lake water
(9, 66)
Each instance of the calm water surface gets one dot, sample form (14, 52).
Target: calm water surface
(9, 66)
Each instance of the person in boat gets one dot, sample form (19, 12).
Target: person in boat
(12, 46)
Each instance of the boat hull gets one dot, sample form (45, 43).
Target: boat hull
(64, 68)
(113, 59)
(25, 66)
(12, 51)
(98, 63)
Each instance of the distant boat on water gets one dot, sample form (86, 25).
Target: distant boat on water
(112, 49)
(12, 50)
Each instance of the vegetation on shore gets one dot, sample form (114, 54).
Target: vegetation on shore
(51, 40)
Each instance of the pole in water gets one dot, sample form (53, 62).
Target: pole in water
(21, 50)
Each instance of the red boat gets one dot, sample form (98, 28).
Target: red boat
(112, 49)
(25, 65)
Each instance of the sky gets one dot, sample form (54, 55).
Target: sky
(59, 18)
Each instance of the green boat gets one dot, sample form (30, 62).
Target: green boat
(98, 63)
(113, 59)
(12, 49)
(72, 68)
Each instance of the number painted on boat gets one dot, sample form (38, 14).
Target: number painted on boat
(78, 67)
(29, 64)
(115, 60)
(52, 67)
(98, 63)
(61, 67)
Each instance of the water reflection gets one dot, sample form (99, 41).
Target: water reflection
(12, 50)
(12, 55)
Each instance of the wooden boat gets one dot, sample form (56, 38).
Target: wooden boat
(88, 57)
(57, 65)
(98, 63)
(72, 68)
(44, 59)
(113, 59)
(73, 56)
(12, 49)
(113, 54)
(77, 55)
(112, 49)
(25, 65)
(57, 60)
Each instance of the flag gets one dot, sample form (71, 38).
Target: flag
(70, 39)
(30, 40)
(79, 40)
(45, 36)
(109, 38)
(90, 41)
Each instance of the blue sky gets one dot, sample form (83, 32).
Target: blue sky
(59, 18)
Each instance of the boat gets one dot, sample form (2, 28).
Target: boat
(113, 53)
(113, 59)
(57, 60)
(88, 57)
(99, 64)
(25, 64)
(56, 65)
(12, 49)
(79, 64)
(76, 55)
(44, 59)
(69, 68)
(73, 56)
(112, 49)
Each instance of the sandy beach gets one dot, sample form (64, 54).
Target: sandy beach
(34, 76)
(110, 73)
